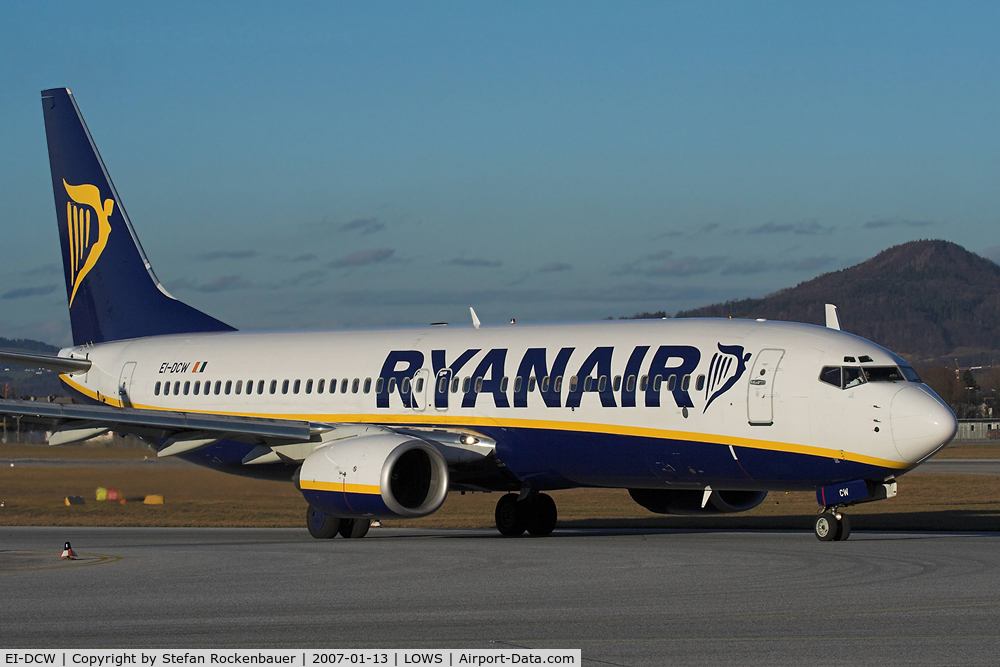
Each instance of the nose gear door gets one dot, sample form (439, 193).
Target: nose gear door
(760, 393)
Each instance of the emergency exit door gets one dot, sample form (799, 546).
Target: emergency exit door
(760, 394)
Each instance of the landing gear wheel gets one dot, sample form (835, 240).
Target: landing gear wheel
(843, 528)
(510, 515)
(542, 515)
(826, 527)
(354, 528)
(321, 526)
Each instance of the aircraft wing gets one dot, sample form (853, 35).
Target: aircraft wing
(277, 440)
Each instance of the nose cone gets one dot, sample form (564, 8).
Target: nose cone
(921, 422)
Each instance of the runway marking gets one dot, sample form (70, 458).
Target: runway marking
(84, 560)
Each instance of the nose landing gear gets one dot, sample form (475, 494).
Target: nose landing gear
(832, 526)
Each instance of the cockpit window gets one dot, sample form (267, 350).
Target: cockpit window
(830, 375)
(853, 377)
(910, 374)
(883, 374)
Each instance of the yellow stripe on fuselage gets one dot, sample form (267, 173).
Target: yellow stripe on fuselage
(340, 487)
(541, 424)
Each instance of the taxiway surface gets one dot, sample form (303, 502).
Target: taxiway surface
(646, 597)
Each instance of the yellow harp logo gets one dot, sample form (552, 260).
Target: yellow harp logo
(85, 247)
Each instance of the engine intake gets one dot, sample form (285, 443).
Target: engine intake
(377, 476)
(678, 501)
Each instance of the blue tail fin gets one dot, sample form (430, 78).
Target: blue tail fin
(112, 290)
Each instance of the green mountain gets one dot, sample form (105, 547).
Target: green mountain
(930, 301)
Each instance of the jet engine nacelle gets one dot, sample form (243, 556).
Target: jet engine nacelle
(376, 476)
(678, 501)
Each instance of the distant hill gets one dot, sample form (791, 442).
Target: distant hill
(27, 345)
(931, 301)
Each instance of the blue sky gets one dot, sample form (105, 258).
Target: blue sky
(350, 165)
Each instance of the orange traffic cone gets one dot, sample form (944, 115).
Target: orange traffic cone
(68, 553)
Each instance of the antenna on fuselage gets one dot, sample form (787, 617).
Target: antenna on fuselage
(832, 319)
(475, 318)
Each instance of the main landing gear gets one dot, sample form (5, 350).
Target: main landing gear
(832, 526)
(535, 513)
(324, 527)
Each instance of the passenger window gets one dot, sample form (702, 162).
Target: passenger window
(544, 384)
(229, 386)
(466, 385)
(156, 389)
(166, 388)
(343, 386)
(557, 385)
(354, 386)
(379, 383)
(368, 385)
(177, 388)
(187, 387)
(442, 385)
(239, 387)
(573, 381)
(218, 387)
(602, 383)
(588, 383)
(643, 383)
(699, 384)
(517, 384)
(617, 384)
(454, 385)
(503, 385)
(853, 377)
(309, 386)
(197, 387)
(630, 384)
(284, 387)
(420, 385)
(830, 375)
(296, 386)
(479, 384)
(531, 383)
(274, 386)
(686, 383)
(657, 382)
(404, 386)
(392, 385)
(319, 386)
(671, 383)
(260, 386)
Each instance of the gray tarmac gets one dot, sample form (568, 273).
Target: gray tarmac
(625, 597)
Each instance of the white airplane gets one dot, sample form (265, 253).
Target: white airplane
(689, 415)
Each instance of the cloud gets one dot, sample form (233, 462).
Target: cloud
(307, 257)
(226, 254)
(362, 258)
(44, 270)
(811, 263)
(684, 266)
(306, 278)
(747, 268)
(363, 225)
(224, 284)
(473, 261)
(555, 267)
(882, 223)
(660, 254)
(806, 227)
(220, 284)
(25, 292)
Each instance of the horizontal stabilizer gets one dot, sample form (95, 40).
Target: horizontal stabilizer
(61, 364)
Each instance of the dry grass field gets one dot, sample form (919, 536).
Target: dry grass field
(194, 496)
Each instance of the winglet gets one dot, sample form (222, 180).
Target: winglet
(475, 318)
(832, 319)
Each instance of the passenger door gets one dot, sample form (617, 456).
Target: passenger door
(760, 393)
(125, 384)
